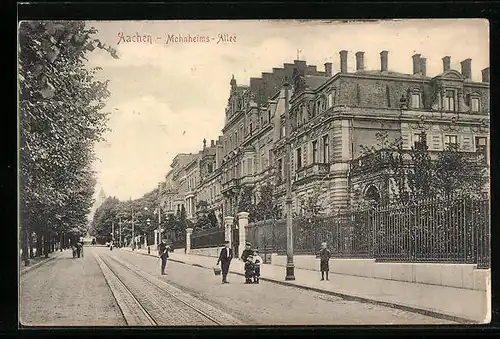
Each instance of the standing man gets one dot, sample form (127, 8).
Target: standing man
(163, 254)
(225, 256)
(324, 256)
(246, 252)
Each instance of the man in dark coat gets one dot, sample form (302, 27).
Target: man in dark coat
(163, 254)
(324, 256)
(225, 256)
(247, 252)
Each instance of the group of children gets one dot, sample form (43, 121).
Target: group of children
(252, 261)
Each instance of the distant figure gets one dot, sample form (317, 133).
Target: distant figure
(257, 261)
(225, 256)
(163, 254)
(111, 246)
(78, 249)
(93, 242)
(324, 256)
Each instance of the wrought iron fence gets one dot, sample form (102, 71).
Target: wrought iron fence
(452, 230)
(207, 238)
(176, 239)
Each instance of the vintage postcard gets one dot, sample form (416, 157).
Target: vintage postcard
(340, 168)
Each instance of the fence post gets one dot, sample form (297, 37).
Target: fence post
(228, 224)
(242, 224)
(189, 231)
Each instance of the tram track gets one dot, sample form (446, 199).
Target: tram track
(148, 301)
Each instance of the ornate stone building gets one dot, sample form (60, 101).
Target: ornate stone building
(332, 123)
(333, 117)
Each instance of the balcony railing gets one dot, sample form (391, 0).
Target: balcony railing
(381, 159)
(230, 185)
(312, 171)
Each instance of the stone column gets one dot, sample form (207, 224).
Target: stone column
(189, 231)
(242, 224)
(156, 237)
(228, 224)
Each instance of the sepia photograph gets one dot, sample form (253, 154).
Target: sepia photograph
(341, 168)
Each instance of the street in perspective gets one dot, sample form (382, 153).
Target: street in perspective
(236, 173)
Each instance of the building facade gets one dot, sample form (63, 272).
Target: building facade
(334, 118)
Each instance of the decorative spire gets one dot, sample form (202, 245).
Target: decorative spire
(233, 83)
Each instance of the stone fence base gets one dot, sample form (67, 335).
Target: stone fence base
(452, 275)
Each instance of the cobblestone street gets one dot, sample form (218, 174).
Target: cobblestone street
(68, 291)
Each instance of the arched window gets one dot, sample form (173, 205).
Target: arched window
(372, 194)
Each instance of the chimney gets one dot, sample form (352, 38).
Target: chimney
(446, 63)
(383, 61)
(212, 143)
(423, 66)
(328, 69)
(466, 68)
(359, 61)
(343, 61)
(486, 74)
(416, 63)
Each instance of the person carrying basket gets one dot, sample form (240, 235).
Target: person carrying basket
(225, 257)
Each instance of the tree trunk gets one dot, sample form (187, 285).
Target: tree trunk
(30, 244)
(24, 246)
(38, 244)
(46, 244)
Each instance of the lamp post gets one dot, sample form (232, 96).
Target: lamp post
(290, 267)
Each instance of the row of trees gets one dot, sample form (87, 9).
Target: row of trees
(61, 118)
(144, 212)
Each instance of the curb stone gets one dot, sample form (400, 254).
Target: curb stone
(349, 297)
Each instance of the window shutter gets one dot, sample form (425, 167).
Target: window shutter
(406, 139)
(436, 142)
(466, 143)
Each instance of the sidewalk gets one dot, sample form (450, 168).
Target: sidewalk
(456, 304)
(38, 261)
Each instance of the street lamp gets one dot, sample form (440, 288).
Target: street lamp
(290, 267)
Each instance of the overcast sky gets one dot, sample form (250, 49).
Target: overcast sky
(165, 98)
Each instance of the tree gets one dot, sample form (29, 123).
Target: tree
(457, 175)
(415, 174)
(105, 217)
(61, 118)
(202, 216)
(246, 202)
(213, 219)
(265, 208)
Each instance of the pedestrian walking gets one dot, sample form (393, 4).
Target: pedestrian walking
(249, 269)
(163, 254)
(324, 256)
(78, 249)
(257, 261)
(225, 257)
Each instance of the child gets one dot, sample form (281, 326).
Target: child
(324, 255)
(257, 260)
(249, 269)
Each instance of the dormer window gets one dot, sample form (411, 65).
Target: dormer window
(449, 100)
(416, 99)
(474, 103)
(331, 98)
